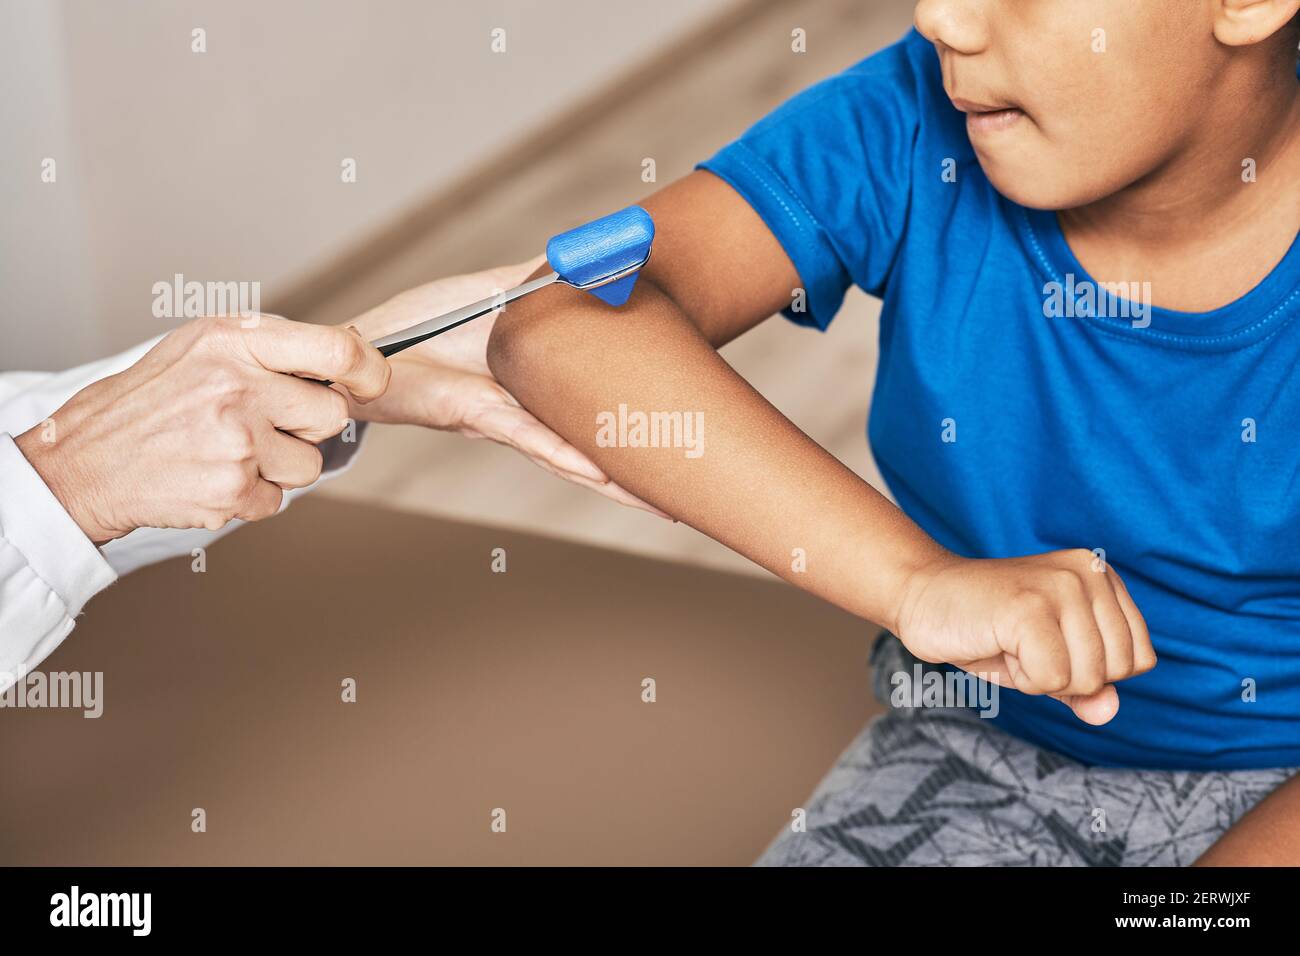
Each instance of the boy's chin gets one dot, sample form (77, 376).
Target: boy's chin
(1040, 185)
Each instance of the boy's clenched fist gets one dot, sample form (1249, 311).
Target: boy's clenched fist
(1060, 623)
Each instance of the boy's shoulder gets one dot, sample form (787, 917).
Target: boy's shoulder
(887, 112)
(839, 172)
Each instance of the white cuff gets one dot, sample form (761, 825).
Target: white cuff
(33, 521)
(49, 569)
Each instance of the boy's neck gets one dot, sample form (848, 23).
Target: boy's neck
(1197, 228)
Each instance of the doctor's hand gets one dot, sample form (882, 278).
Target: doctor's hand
(445, 383)
(210, 425)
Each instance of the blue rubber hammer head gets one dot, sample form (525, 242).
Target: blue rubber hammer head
(605, 256)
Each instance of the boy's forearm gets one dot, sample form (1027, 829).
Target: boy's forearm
(759, 485)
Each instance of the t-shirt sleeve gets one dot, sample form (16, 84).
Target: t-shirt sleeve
(830, 173)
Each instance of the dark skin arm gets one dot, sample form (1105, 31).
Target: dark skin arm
(652, 354)
(1044, 624)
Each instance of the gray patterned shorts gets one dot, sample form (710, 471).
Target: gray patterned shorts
(945, 787)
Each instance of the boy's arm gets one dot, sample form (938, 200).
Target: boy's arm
(762, 487)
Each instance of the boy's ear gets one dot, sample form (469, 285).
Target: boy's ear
(1244, 22)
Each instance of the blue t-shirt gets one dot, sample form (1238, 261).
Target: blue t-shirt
(1175, 447)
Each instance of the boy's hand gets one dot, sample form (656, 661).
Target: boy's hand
(1061, 624)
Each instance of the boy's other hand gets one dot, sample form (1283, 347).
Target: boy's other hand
(1061, 624)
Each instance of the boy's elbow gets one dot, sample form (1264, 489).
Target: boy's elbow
(543, 331)
(517, 340)
(502, 346)
(557, 329)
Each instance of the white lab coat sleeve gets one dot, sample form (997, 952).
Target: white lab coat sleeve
(49, 569)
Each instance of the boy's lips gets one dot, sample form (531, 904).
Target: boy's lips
(987, 117)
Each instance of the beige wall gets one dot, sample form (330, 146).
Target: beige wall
(226, 165)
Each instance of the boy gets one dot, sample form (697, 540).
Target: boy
(1062, 455)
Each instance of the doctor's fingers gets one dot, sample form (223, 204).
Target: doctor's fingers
(324, 352)
(285, 461)
(261, 499)
(309, 410)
